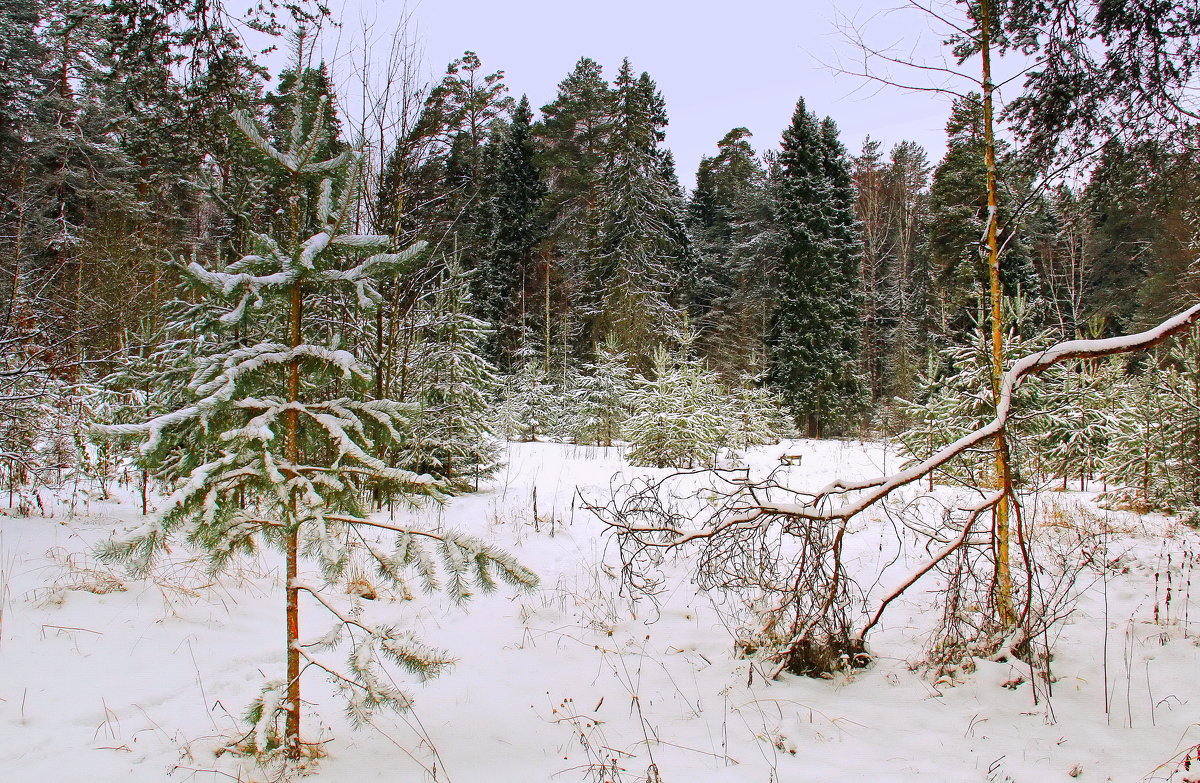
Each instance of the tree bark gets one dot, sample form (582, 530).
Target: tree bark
(1002, 533)
(291, 731)
(291, 545)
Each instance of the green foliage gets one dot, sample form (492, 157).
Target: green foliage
(958, 217)
(508, 230)
(641, 240)
(678, 421)
(1153, 434)
(603, 397)
(532, 405)
(284, 444)
(955, 398)
(450, 437)
(813, 346)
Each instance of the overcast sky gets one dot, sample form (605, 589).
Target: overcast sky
(719, 65)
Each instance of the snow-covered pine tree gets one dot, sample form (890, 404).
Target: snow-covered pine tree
(454, 383)
(602, 397)
(681, 417)
(958, 218)
(1152, 432)
(1073, 440)
(758, 414)
(279, 442)
(531, 404)
(1184, 386)
(151, 375)
(954, 397)
(508, 228)
(1137, 462)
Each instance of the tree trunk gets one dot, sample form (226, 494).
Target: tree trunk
(291, 733)
(291, 545)
(1004, 602)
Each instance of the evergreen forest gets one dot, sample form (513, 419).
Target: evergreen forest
(272, 306)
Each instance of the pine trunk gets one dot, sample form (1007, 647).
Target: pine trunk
(1004, 601)
(292, 725)
(291, 732)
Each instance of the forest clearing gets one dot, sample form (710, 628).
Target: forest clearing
(368, 418)
(619, 685)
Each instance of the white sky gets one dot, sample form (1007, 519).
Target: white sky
(719, 65)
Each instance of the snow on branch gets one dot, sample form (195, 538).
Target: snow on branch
(297, 160)
(801, 594)
(1029, 365)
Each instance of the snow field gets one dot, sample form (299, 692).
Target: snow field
(143, 683)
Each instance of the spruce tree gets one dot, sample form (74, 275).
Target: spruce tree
(454, 381)
(641, 247)
(681, 416)
(958, 215)
(813, 344)
(603, 397)
(907, 305)
(573, 135)
(531, 403)
(505, 285)
(741, 318)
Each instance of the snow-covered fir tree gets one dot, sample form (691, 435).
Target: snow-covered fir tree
(954, 397)
(602, 397)
(757, 413)
(1152, 433)
(278, 444)
(813, 343)
(508, 228)
(532, 405)
(451, 438)
(681, 415)
(628, 287)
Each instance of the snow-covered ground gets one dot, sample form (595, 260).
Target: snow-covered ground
(106, 678)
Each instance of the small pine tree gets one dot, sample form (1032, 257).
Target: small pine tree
(1152, 432)
(278, 443)
(1137, 463)
(680, 418)
(528, 408)
(954, 398)
(757, 413)
(1074, 439)
(602, 397)
(451, 438)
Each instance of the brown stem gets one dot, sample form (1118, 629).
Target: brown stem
(1004, 604)
(291, 544)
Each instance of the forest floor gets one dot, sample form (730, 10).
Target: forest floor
(108, 678)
